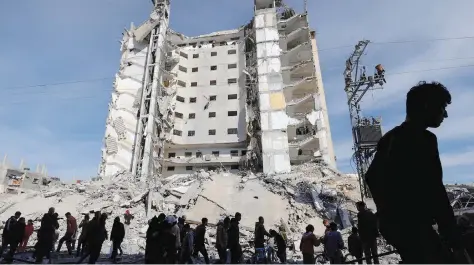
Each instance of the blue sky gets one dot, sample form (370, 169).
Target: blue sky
(57, 41)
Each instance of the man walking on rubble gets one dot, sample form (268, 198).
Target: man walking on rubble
(307, 244)
(234, 239)
(188, 245)
(116, 236)
(17, 233)
(8, 231)
(368, 232)
(222, 239)
(200, 240)
(405, 170)
(82, 238)
(46, 235)
(71, 228)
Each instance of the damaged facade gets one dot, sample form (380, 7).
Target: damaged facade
(245, 98)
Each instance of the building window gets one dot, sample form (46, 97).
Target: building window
(188, 154)
(178, 115)
(191, 133)
(181, 83)
(213, 82)
(212, 132)
(192, 116)
(195, 69)
(171, 155)
(196, 55)
(180, 99)
(232, 113)
(212, 98)
(212, 114)
(234, 152)
(183, 55)
(194, 83)
(232, 96)
(213, 53)
(231, 51)
(215, 153)
(189, 168)
(231, 80)
(198, 154)
(232, 66)
(232, 131)
(192, 100)
(234, 167)
(170, 169)
(183, 69)
(213, 67)
(177, 132)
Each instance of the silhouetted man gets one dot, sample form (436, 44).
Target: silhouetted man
(405, 172)
(234, 239)
(200, 239)
(368, 232)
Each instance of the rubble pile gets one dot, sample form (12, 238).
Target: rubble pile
(307, 195)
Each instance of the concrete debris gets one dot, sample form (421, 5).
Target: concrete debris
(308, 194)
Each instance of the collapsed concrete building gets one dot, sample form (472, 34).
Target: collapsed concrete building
(248, 98)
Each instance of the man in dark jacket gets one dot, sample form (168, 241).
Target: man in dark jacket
(7, 231)
(116, 236)
(82, 238)
(281, 245)
(96, 235)
(16, 236)
(260, 233)
(407, 169)
(234, 240)
(368, 232)
(355, 245)
(49, 224)
(199, 242)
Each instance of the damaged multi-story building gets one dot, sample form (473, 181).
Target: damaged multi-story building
(250, 97)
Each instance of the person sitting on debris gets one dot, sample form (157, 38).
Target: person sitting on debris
(7, 231)
(467, 230)
(116, 236)
(407, 159)
(355, 245)
(128, 217)
(188, 245)
(368, 232)
(200, 240)
(222, 239)
(71, 229)
(307, 244)
(82, 238)
(28, 232)
(334, 244)
(281, 245)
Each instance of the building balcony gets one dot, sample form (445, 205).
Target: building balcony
(299, 53)
(303, 86)
(301, 69)
(300, 106)
(205, 160)
(290, 24)
(297, 37)
(172, 59)
(306, 142)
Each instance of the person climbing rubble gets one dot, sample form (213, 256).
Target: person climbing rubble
(334, 244)
(28, 232)
(307, 244)
(281, 245)
(116, 236)
(71, 228)
(368, 232)
(153, 248)
(46, 233)
(259, 237)
(234, 239)
(200, 240)
(82, 238)
(355, 245)
(187, 246)
(407, 160)
(222, 239)
(96, 235)
(7, 231)
(128, 217)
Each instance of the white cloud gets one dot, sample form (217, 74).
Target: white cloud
(461, 158)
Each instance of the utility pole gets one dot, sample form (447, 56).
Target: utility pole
(366, 131)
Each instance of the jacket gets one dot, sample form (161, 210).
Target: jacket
(221, 236)
(188, 242)
(355, 245)
(118, 232)
(17, 232)
(28, 231)
(233, 238)
(200, 235)
(308, 242)
(367, 223)
(177, 233)
(84, 225)
(333, 243)
(48, 227)
(71, 225)
(260, 233)
(407, 160)
(9, 224)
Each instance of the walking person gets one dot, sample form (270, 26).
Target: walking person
(407, 162)
(71, 228)
(28, 232)
(116, 236)
(82, 238)
(46, 233)
(200, 240)
(234, 239)
(187, 246)
(7, 231)
(17, 233)
(222, 239)
(368, 232)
